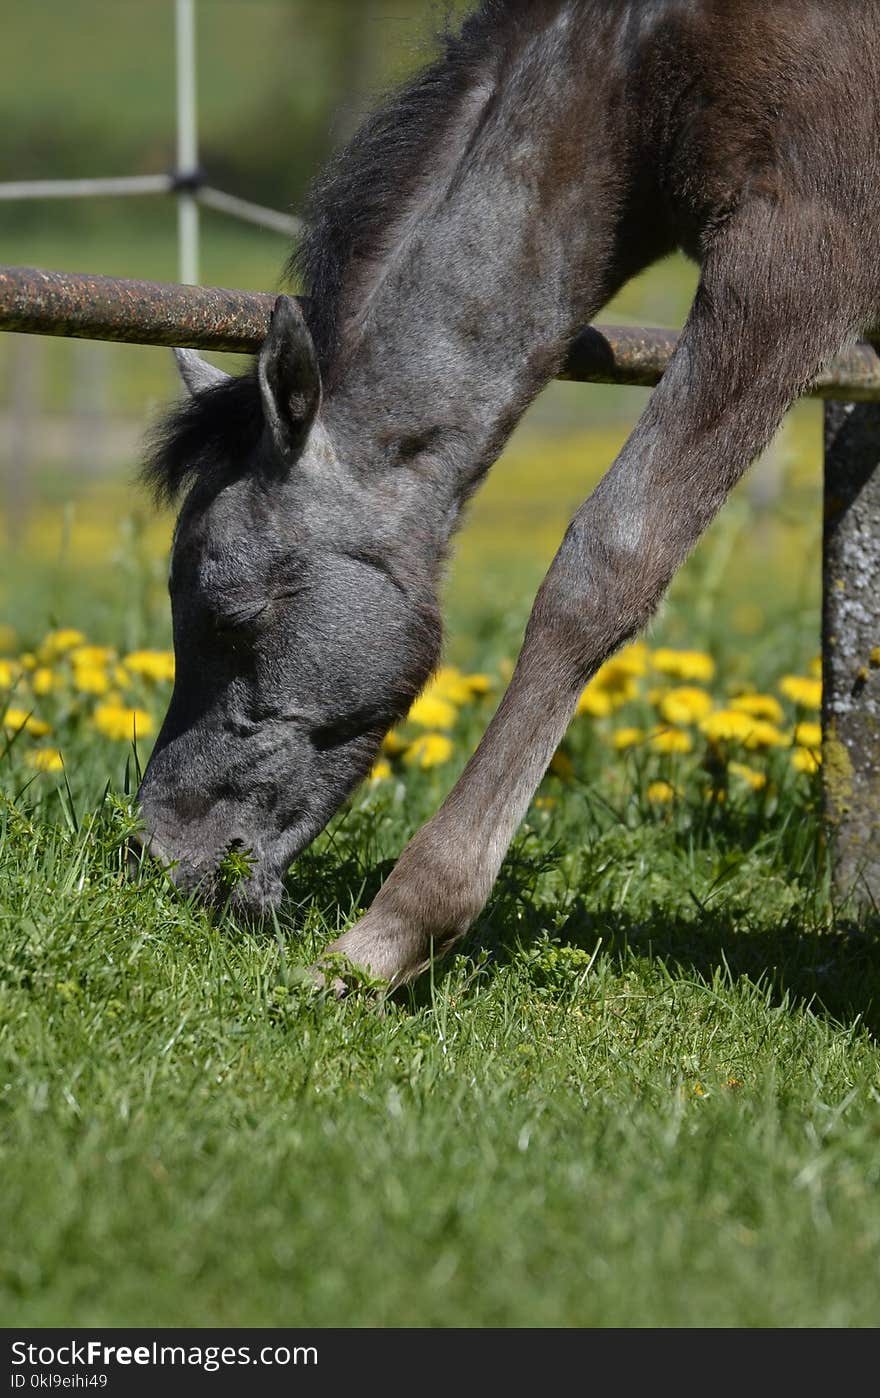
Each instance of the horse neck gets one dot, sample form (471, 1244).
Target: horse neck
(527, 221)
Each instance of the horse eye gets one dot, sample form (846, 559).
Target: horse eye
(239, 620)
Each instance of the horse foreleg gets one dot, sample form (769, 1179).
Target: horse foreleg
(768, 313)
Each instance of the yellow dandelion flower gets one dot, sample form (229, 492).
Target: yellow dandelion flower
(627, 738)
(596, 703)
(684, 664)
(92, 655)
(616, 677)
(449, 683)
(808, 735)
(90, 679)
(672, 740)
(14, 720)
(430, 711)
(758, 706)
(429, 750)
(661, 793)
(43, 680)
(8, 637)
(764, 735)
(727, 725)
(479, 684)
(756, 780)
(121, 677)
(806, 760)
(45, 760)
(634, 659)
(562, 766)
(393, 744)
(28, 661)
(802, 690)
(381, 771)
(9, 673)
(115, 720)
(545, 803)
(685, 704)
(55, 643)
(155, 665)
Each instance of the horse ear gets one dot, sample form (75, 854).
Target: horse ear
(197, 373)
(290, 380)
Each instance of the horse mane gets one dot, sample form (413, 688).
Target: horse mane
(223, 423)
(394, 161)
(355, 214)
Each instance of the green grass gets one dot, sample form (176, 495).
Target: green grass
(644, 1092)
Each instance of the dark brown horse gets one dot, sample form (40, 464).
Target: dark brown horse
(553, 150)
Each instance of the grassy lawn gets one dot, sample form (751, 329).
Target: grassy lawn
(646, 1089)
(644, 1093)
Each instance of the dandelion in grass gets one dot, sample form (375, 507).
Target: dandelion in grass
(729, 725)
(749, 775)
(18, 720)
(764, 735)
(685, 704)
(803, 690)
(625, 738)
(661, 793)
(381, 771)
(45, 760)
(429, 750)
(726, 726)
(479, 684)
(684, 664)
(116, 720)
(431, 711)
(758, 706)
(808, 735)
(672, 740)
(90, 679)
(43, 681)
(55, 643)
(10, 672)
(450, 684)
(596, 703)
(100, 656)
(394, 744)
(806, 760)
(155, 665)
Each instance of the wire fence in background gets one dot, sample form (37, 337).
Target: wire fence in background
(187, 182)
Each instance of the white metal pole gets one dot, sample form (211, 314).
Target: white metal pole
(187, 139)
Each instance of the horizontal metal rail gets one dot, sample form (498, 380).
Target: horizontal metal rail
(37, 302)
(119, 186)
(114, 185)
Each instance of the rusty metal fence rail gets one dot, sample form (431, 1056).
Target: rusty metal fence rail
(34, 301)
(213, 318)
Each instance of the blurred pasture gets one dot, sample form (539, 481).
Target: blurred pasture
(280, 82)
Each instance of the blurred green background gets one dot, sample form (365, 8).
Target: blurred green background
(280, 83)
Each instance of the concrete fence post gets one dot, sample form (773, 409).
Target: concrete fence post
(851, 648)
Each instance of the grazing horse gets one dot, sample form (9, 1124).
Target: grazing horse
(476, 221)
